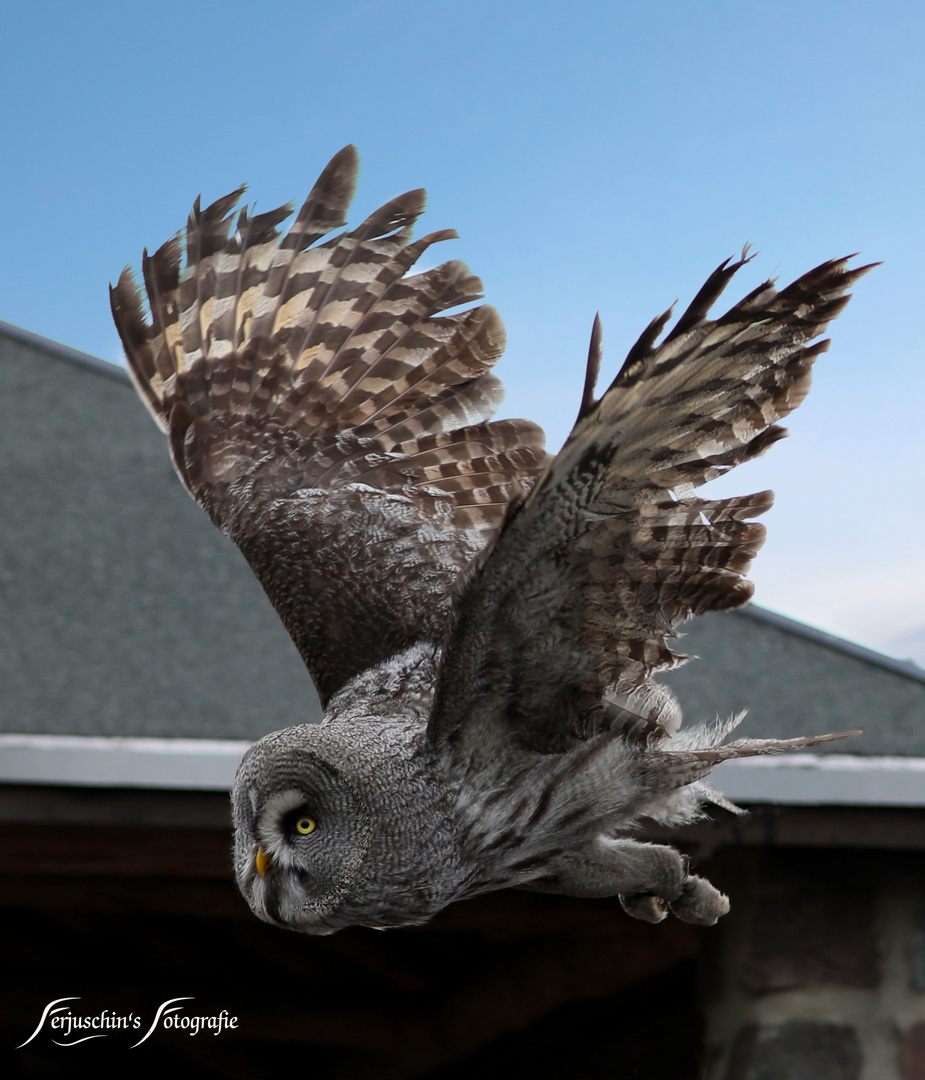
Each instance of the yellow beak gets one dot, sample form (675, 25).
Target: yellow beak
(263, 861)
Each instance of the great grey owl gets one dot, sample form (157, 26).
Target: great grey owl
(482, 620)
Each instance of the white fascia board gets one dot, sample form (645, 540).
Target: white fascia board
(188, 764)
(210, 764)
(823, 780)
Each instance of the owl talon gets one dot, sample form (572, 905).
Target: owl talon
(645, 906)
(700, 902)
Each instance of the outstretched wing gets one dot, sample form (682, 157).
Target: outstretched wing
(327, 416)
(561, 628)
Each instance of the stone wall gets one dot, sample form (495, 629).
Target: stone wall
(819, 971)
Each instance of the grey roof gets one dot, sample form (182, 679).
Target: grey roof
(124, 612)
(795, 680)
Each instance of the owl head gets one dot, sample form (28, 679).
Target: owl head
(335, 826)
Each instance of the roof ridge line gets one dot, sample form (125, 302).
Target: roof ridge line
(908, 668)
(64, 352)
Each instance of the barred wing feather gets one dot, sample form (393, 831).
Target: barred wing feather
(327, 415)
(574, 608)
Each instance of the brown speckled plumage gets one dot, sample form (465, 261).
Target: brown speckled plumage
(495, 614)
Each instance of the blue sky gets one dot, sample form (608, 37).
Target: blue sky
(592, 155)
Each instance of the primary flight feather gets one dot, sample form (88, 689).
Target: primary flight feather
(482, 621)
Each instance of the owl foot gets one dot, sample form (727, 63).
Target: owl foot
(693, 900)
(699, 902)
(645, 906)
(651, 880)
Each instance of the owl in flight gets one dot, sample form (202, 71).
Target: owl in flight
(482, 620)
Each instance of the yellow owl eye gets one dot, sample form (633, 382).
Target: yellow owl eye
(305, 825)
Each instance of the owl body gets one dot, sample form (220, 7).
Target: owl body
(482, 621)
(402, 829)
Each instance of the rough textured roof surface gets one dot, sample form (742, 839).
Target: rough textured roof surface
(796, 681)
(124, 612)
